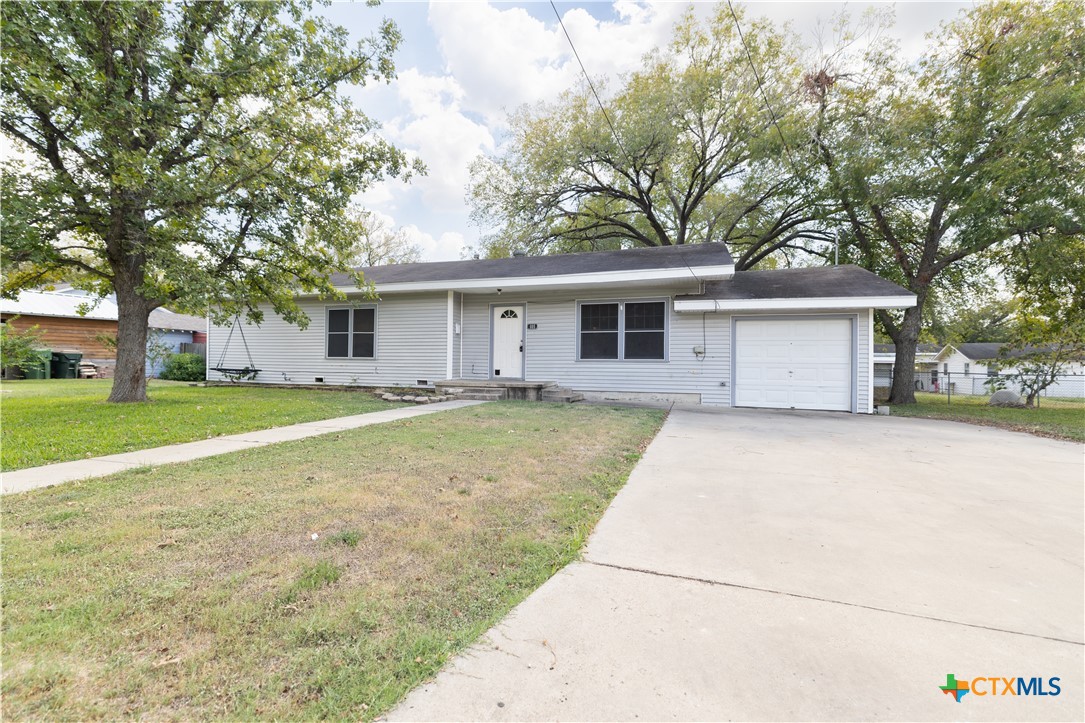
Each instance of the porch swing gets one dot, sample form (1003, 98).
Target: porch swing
(236, 374)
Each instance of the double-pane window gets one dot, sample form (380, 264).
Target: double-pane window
(352, 333)
(634, 330)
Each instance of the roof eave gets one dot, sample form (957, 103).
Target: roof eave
(609, 278)
(797, 303)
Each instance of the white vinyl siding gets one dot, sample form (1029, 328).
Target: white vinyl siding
(551, 347)
(411, 345)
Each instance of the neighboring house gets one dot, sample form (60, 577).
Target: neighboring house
(885, 357)
(72, 321)
(672, 323)
(974, 363)
(968, 366)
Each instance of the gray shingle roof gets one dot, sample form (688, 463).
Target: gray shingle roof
(640, 259)
(814, 283)
(920, 348)
(982, 351)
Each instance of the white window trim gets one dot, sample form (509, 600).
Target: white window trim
(350, 332)
(621, 330)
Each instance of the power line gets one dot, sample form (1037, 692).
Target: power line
(591, 85)
(606, 115)
(760, 86)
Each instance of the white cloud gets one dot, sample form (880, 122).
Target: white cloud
(503, 58)
(437, 130)
(449, 246)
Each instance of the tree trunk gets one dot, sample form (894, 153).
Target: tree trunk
(129, 378)
(905, 340)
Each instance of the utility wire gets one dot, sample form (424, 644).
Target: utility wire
(613, 130)
(768, 107)
(591, 85)
(761, 87)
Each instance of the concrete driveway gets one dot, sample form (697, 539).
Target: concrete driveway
(804, 566)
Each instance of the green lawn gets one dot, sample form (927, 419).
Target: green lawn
(1064, 419)
(197, 591)
(58, 420)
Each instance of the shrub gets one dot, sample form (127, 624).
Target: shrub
(18, 346)
(184, 368)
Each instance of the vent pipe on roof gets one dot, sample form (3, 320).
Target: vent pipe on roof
(519, 252)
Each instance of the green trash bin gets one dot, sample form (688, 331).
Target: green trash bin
(66, 364)
(41, 367)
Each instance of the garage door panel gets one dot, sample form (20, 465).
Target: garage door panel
(794, 363)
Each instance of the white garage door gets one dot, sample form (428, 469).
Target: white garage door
(793, 363)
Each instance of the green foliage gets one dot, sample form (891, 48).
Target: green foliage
(197, 154)
(941, 168)
(17, 347)
(1041, 349)
(184, 368)
(107, 340)
(158, 350)
(350, 538)
(985, 322)
(693, 156)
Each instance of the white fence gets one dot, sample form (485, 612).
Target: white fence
(1066, 386)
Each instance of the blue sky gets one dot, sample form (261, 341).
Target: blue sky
(463, 65)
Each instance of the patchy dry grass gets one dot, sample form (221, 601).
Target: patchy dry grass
(1058, 418)
(199, 591)
(58, 420)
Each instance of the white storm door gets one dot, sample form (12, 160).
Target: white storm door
(794, 363)
(507, 350)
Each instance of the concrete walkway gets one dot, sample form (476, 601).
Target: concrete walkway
(51, 474)
(803, 566)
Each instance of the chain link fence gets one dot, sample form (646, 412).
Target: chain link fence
(1066, 386)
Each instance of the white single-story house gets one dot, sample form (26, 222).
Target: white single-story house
(885, 357)
(671, 323)
(968, 367)
(975, 362)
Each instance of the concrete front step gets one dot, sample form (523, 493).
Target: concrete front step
(483, 395)
(492, 390)
(561, 394)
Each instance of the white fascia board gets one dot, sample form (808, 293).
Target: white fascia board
(818, 303)
(699, 273)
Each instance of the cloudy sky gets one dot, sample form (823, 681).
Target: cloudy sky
(464, 65)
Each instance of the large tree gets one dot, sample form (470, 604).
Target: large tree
(690, 148)
(940, 168)
(198, 154)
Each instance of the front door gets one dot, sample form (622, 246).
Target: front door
(508, 342)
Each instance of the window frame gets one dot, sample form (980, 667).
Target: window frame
(350, 332)
(621, 302)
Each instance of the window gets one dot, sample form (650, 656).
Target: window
(633, 330)
(599, 331)
(352, 333)
(966, 369)
(945, 368)
(992, 370)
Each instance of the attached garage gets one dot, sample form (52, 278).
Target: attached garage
(794, 362)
